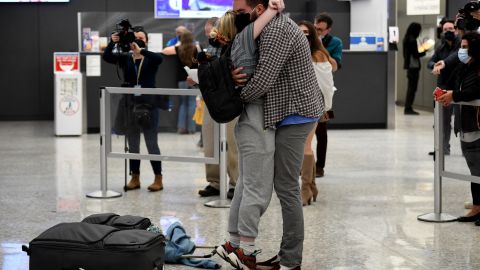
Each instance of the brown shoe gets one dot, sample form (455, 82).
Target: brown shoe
(157, 184)
(134, 183)
(307, 178)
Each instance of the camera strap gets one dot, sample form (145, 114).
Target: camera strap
(139, 69)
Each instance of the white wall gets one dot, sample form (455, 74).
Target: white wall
(369, 16)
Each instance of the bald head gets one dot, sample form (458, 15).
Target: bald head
(180, 30)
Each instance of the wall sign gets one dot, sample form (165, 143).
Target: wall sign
(66, 62)
(423, 7)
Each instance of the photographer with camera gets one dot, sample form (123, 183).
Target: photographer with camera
(128, 50)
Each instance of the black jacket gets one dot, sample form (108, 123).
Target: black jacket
(467, 89)
(411, 56)
(126, 63)
(442, 53)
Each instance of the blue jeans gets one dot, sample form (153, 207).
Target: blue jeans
(186, 110)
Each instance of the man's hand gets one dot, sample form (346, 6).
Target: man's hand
(115, 37)
(475, 14)
(277, 5)
(437, 68)
(446, 99)
(135, 48)
(239, 77)
(190, 82)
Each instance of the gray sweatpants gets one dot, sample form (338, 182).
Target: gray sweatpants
(268, 159)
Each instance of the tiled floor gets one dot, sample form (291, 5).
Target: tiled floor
(376, 184)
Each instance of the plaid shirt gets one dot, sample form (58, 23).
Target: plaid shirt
(284, 76)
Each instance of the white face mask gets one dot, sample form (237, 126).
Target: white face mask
(463, 55)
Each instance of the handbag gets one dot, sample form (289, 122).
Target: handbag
(142, 114)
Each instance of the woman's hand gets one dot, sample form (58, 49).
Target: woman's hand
(437, 68)
(446, 99)
(115, 37)
(135, 48)
(190, 81)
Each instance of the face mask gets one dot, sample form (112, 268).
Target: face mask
(241, 21)
(140, 43)
(449, 35)
(463, 55)
(214, 42)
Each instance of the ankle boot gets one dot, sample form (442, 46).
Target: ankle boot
(307, 176)
(157, 184)
(313, 186)
(134, 183)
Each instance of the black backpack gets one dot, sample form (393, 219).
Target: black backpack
(218, 88)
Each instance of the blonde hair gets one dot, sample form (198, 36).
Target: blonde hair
(225, 29)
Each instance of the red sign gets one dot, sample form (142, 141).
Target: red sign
(66, 62)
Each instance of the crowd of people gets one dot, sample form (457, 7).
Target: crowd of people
(284, 73)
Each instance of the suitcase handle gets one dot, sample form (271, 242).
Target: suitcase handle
(26, 249)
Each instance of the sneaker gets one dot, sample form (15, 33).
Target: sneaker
(209, 191)
(269, 264)
(278, 268)
(224, 250)
(240, 261)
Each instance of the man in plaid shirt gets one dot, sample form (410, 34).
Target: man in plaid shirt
(285, 81)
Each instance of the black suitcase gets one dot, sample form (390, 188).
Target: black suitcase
(81, 245)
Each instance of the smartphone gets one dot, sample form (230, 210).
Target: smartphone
(438, 92)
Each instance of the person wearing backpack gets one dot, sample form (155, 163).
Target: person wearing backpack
(284, 79)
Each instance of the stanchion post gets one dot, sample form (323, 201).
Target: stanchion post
(223, 202)
(103, 193)
(439, 166)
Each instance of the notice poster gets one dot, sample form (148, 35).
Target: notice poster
(93, 66)
(66, 62)
(423, 7)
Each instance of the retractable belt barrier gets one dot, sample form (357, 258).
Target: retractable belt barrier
(220, 143)
(439, 168)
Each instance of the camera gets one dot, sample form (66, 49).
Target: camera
(126, 34)
(466, 21)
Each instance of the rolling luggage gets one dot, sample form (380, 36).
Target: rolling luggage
(83, 245)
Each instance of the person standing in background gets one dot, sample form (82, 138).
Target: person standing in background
(411, 63)
(212, 171)
(186, 51)
(450, 44)
(334, 46)
(139, 70)
(323, 65)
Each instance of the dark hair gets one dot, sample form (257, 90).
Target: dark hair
(413, 30)
(473, 40)
(313, 40)
(254, 3)
(139, 29)
(443, 22)
(324, 17)
(187, 49)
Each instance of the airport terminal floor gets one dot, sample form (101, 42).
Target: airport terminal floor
(376, 184)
